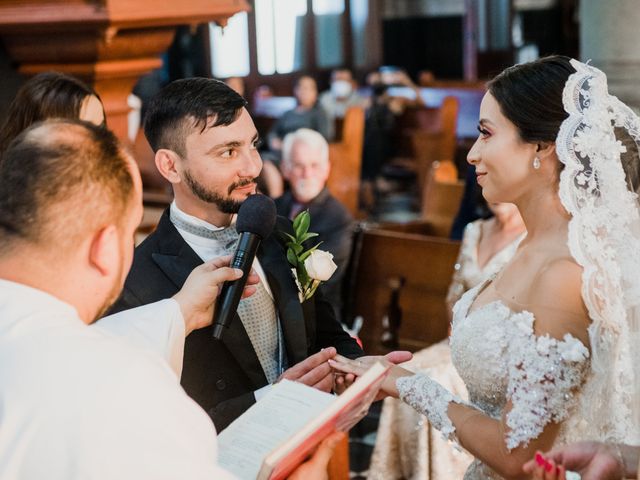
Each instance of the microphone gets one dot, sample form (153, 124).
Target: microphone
(256, 219)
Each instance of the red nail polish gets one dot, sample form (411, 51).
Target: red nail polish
(548, 467)
(540, 459)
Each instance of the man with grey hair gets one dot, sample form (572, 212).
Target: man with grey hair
(305, 165)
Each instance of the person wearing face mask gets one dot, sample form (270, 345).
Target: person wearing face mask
(307, 114)
(305, 165)
(340, 97)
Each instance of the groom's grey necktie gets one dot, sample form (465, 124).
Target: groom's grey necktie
(258, 313)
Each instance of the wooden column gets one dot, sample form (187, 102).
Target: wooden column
(108, 43)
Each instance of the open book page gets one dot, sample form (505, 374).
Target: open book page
(277, 433)
(343, 413)
(286, 409)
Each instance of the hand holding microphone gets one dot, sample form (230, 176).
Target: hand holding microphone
(256, 219)
(199, 293)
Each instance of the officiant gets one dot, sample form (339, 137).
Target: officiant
(82, 399)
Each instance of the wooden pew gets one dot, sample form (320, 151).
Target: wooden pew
(423, 135)
(419, 269)
(346, 160)
(440, 201)
(436, 142)
(441, 197)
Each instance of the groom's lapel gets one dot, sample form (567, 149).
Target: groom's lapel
(285, 294)
(174, 257)
(177, 259)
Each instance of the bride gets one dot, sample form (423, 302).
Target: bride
(548, 347)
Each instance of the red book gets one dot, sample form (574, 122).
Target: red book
(281, 430)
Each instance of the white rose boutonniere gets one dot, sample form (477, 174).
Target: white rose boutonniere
(320, 265)
(312, 266)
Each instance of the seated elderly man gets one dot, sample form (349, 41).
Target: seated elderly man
(305, 165)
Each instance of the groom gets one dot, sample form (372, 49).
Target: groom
(206, 145)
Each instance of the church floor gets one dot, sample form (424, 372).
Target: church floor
(362, 438)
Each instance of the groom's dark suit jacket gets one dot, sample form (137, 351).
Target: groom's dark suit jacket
(222, 375)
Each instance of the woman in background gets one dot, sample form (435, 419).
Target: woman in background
(50, 95)
(407, 447)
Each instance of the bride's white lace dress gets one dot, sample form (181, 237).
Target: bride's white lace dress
(529, 380)
(500, 359)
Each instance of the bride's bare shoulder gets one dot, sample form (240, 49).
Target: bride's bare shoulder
(557, 289)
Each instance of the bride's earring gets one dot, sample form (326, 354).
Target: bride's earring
(536, 163)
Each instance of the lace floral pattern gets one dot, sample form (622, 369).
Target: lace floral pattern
(429, 398)
(604, 238)
(500, 358)
(543, 376)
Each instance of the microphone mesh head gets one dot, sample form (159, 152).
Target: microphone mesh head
(257, 215)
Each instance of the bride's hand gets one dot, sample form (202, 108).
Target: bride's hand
(360, 365)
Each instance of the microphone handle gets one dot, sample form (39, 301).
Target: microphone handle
(232, 291)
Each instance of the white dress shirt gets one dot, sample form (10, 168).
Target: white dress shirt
(210, 248)
(85, 402)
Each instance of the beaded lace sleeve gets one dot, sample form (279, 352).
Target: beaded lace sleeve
(429, 398)
(543, 375)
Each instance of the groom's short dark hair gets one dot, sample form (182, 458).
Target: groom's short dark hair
(187, 104)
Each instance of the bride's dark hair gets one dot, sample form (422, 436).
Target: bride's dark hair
(530, 96)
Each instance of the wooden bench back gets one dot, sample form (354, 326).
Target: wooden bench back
(421, 268)
(441, 197)
(346, 160)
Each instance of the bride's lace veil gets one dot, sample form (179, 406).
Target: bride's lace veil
(598, 144)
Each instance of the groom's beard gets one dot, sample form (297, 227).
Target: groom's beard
(224, 204)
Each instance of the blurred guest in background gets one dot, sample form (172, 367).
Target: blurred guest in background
(307, 114)
(50, 95)
(379, 123)
(339, 98)
(305, 165)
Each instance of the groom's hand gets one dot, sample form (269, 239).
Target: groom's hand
(345, 380)
(360, 365)
(314, 371)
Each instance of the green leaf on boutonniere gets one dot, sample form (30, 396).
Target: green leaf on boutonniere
(290, 238)
(296, 254)
(307, 236)
(301, 223)
(303, 276)
(306, 254)
(292, 257)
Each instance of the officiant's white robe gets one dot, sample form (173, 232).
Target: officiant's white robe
(99, 401)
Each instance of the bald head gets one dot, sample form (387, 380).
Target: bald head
(61, 180)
